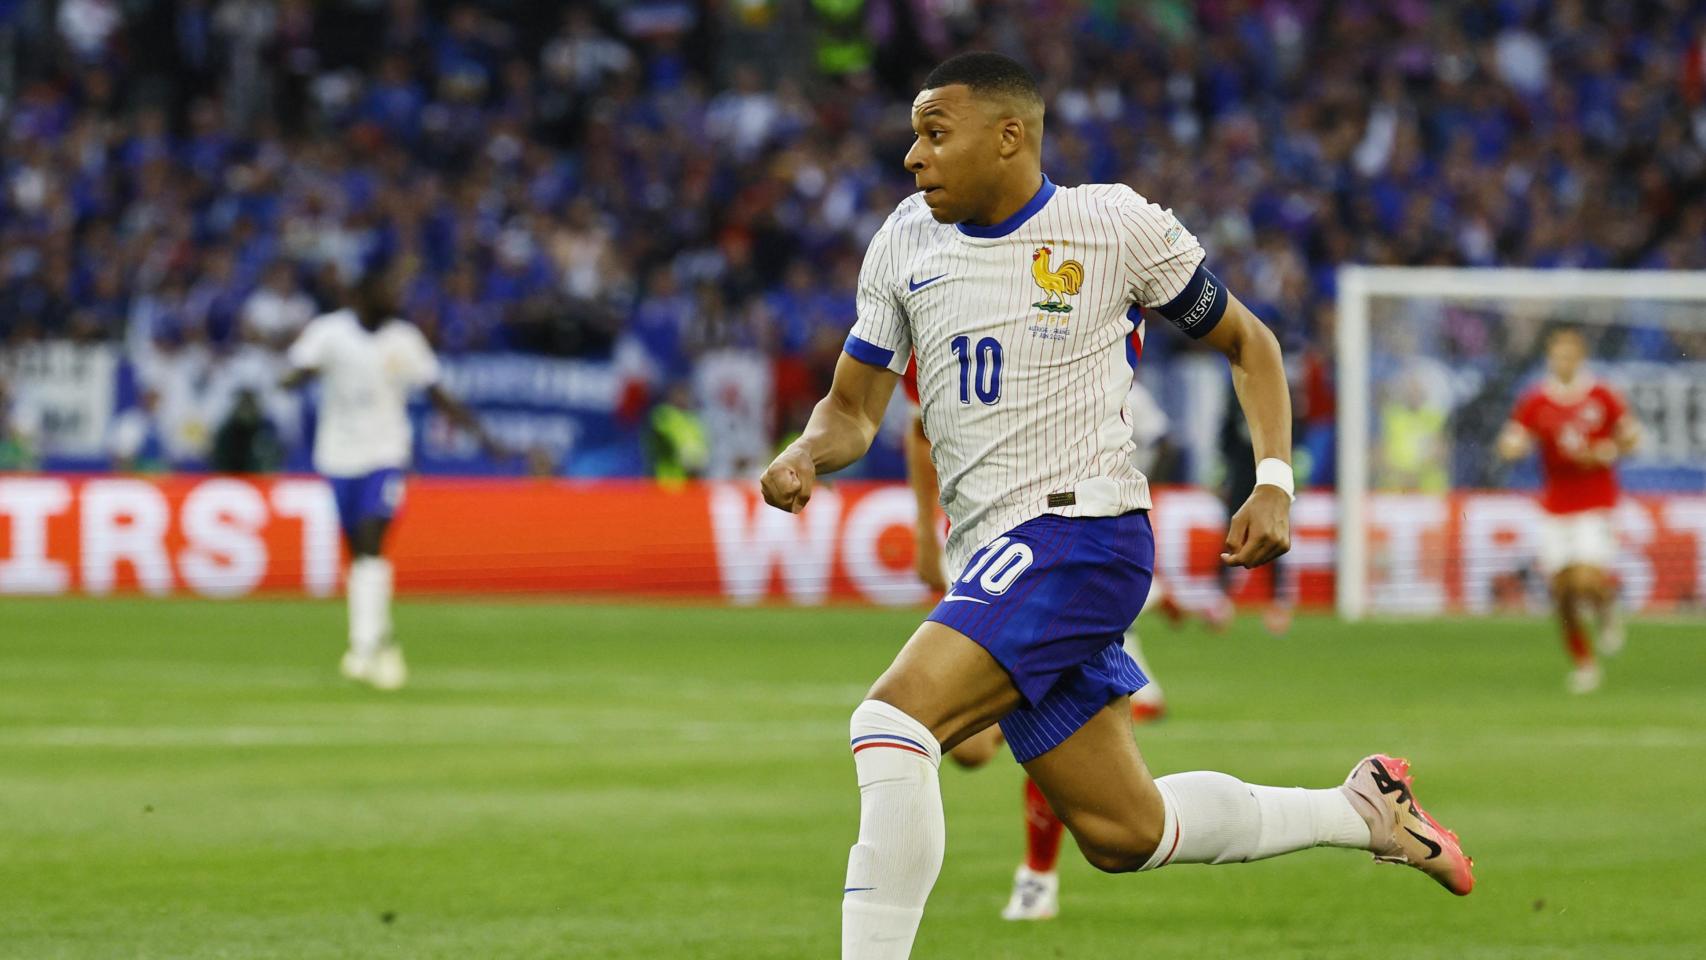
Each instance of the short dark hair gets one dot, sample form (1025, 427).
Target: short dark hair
(986, 72)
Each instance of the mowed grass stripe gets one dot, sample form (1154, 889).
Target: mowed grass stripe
(192, 779)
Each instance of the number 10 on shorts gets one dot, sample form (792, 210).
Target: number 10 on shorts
(998, 565)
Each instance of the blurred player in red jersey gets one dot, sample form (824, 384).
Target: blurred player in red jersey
(1036, 885)
(1581, 427)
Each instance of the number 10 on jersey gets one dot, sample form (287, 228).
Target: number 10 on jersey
(985, 381)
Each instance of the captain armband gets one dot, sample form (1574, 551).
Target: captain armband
(1198, 307)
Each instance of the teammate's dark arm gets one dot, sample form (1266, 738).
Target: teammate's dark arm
(1261, 529)
(840, 430)
(921, 477)
(297, 377)
(463, 418)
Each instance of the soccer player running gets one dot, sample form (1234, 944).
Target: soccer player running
(1017, 297)
(1582, 427)
(369, 362)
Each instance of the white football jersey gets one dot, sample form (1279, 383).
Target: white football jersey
(365, 382)
(1022, 332)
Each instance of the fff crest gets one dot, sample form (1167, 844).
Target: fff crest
(1057, 283)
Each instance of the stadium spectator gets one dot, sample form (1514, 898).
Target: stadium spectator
(1414, 454)
(278, 309)
(567, 158)
(20, 430)
(246, 442)
(677, 446)
(137, 440)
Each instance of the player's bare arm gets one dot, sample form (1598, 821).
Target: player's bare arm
(297, 377)
(840, 430)
(1626, 436)
(1514, 442)
(921, 476)
(464, 419)
(1261, 529)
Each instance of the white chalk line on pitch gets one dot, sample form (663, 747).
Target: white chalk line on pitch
(222, 676)
(523, 728)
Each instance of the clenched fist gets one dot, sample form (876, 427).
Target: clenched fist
(787, 484)
(1260, 530)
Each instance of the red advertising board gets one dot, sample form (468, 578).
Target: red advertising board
(226, 537)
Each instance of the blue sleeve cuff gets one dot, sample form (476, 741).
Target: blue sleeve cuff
(865, 351)
(1198, 307)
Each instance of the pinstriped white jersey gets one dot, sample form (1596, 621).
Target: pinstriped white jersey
(1022, 334)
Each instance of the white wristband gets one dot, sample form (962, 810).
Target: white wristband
(1276, 473)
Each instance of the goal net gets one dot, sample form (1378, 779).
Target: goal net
(1430, 363)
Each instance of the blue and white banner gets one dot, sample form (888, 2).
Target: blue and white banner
(568, 409)
(64, 393)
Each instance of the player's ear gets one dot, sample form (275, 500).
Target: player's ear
(1012, 131)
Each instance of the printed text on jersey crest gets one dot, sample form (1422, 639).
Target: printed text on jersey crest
(1057, 283)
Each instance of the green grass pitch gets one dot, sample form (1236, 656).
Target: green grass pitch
(190, 779)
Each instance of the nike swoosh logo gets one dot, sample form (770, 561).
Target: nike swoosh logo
(856, 889)
(1433, 848)
(916, 285)
(950, 598)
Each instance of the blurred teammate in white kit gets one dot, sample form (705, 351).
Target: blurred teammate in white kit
(369, 362)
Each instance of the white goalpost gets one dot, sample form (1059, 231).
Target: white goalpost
(1429, 359)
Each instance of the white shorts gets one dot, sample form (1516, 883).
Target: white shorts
(1577, 539)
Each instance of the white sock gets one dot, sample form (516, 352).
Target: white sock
(1150, 693)
(1214, 818)
(382, 597)
(901, 834)
(369, 590)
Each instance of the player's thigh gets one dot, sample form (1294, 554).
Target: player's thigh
(1556, 542)
(1098, 784)
(367, 539)
(381, 498)
(944, 680)
(1580, 577)
(1577, 582)
(1596, 549)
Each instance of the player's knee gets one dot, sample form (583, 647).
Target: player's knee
(877, 724)
(1113, 848)
(1118, 858)
(976, 751)
(968, 757)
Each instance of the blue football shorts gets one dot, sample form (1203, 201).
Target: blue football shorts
(370, 495)
(1051, 600)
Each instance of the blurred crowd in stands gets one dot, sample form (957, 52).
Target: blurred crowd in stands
(662, 179)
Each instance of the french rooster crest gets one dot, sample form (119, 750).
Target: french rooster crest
(1057, 284)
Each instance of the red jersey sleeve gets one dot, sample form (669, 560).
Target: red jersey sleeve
(1524, 411)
